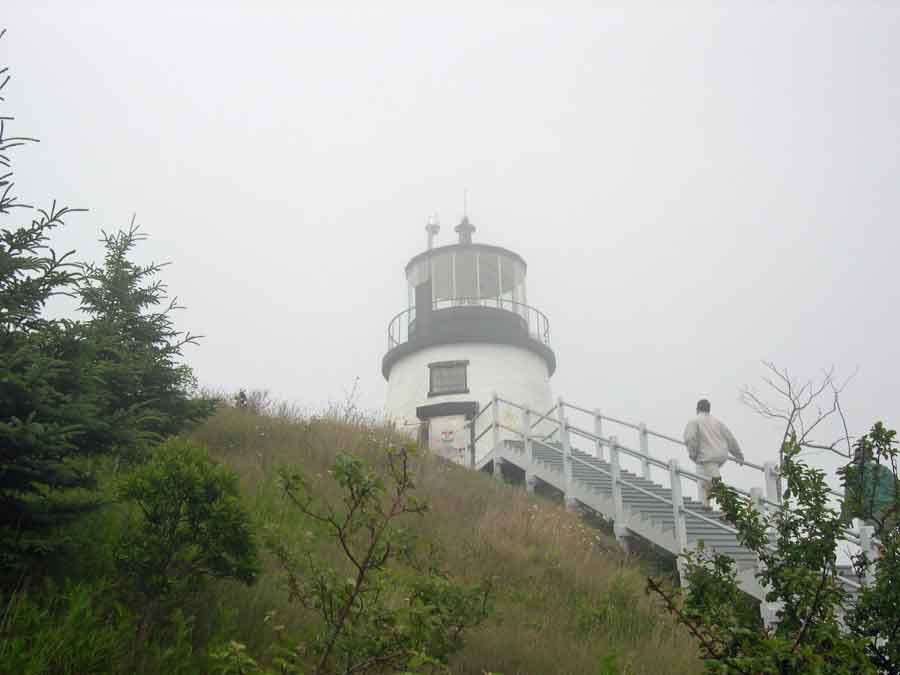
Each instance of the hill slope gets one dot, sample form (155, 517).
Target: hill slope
(565, 599)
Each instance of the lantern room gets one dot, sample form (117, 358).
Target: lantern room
(468, 273)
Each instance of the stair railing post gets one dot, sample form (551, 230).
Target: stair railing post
(616, 475)
(678, 507)
(756, 501)
(495, 432)
(527, 445)
(566, 453)
(598, 432)
(768, 611)
(867, 544)
(771, 476)
(528, 449)
(495, 418)
(645, 451)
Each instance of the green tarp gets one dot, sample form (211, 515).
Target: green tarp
(870, 490)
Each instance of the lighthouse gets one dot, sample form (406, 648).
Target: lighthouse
(466, 333)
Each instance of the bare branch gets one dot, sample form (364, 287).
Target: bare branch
(829, 448)
(837, 403)
(801, 411)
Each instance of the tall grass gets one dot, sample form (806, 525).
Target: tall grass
(565, 599)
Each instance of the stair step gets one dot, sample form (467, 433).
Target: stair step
(639, 495)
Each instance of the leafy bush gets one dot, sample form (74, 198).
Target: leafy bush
(192, 527)
(875, 616)
(820, 626)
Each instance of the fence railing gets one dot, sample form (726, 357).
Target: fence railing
(608, 447)
(402, 326)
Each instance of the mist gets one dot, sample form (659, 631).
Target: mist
(695, 190)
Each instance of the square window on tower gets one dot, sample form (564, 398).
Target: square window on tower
(448, 377)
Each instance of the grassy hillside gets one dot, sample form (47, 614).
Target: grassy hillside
(565, 599)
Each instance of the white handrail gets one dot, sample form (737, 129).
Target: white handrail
(481, 435)
(643, 457)
(480, 413)
(587, 435)
(635, 453)
(629, 484)
(672, 439)
(649, 493)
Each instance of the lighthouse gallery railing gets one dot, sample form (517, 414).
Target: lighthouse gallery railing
(402, 325)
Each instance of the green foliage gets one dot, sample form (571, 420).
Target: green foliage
(171, 651)
(69, 630)
(137, 346)
(83, 627)
(479, 527)
(72, 390)
(232, 659)
(871, 488)
(192, 526)
(820, 626)
(547, 569)
(392, 611)
(47, 407)
(609, 665)
(872, 492)
(617, 608)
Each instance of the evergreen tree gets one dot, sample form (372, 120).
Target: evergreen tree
(47, 399)
(70, 390)
(138, 346)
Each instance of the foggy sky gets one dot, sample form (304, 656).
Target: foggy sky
(693, 189)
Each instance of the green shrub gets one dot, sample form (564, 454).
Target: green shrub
(875, 617)
(191, 527)
(73, 390)
(820, 626)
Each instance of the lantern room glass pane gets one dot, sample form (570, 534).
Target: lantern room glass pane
(507, 278)
(466, 280)
(520, 282)
(470, 275)
(442, 279)
(488, 275)
(419, 273)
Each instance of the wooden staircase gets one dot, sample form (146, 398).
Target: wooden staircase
(637, 505)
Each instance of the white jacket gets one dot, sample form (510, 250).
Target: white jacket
(708, 440)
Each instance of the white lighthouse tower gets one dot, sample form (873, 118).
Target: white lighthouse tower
(466, 333)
